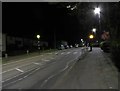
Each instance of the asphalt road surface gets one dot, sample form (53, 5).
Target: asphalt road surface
(65, 69)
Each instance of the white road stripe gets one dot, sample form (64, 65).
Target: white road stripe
(46, 60)
(21, 60)
(19, 70)
(14, 68)
(36, 63)
(56, 53)
(52, 58)
(49, 53)
(75, 52)
(20, 78)
(68, 52)
(110, 87)
(62, 53)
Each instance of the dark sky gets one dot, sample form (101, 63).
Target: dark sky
(29, 19)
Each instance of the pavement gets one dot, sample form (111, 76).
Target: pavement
(94, 71)
(67, 69)
(24, 56)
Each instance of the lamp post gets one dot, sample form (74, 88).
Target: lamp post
(90, 42)
(91, 36)
(97, 11)
(38, 37)
(94, 30)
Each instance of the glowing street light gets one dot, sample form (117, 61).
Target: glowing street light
(97, 11)
(68, 6)
(94, 30)
(91, 36)
(82, 40)
(38, 36)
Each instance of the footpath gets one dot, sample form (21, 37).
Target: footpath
(94, 71)
(24, 56)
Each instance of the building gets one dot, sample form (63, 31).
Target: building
(18, 45)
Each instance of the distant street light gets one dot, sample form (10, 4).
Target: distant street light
(38, 37)
(68, 6)
(91, 36)
(94, 30)
(82, 40)
(97, 11)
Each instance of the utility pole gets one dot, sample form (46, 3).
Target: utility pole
(54, 38)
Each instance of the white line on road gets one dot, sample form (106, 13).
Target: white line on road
(21, 78)
(21, 60)
(52, 58)
(46, 60)
(14, 68)
(75, 52)
(49, 53)
(19, 70)
(62, 53)
(66, 67)
(36, 63)
(68, 52)
(56, 53)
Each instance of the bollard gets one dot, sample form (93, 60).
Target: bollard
(6, 55)
(27, 51)
(82, 51)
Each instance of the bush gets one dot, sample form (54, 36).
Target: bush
(115, 53)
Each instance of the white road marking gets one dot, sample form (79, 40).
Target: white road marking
(36, 63)
(66, 67)
(19, 70)
(21, 60)
(46, 60)
(68, 52)
(56, 53)
(17, 75)
(62, 53)
(21, 78)
(49, 53)
(14, 68)
(110, 87)
(75, 52)
(52, 58)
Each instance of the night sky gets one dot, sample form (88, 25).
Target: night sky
(29, 19)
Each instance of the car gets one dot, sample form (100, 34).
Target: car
(76, 45)
(105, 46)
(66, 46)
(61, 47)
(71, 46)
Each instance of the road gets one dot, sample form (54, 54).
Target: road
(65, 69)
(38, 69)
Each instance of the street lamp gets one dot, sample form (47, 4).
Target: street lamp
(90, 42)
(97, 11)
(38, 37)
(94, 30)
(82, 40)
(91, 36)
